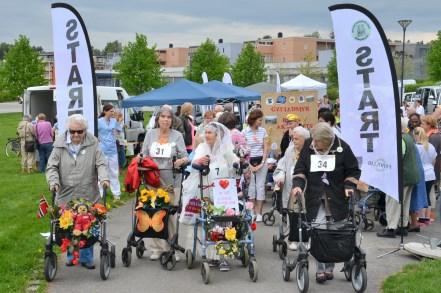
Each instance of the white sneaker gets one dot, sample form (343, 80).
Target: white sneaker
(155, 255)
(292, 245)
(177, 257)
(258, 218)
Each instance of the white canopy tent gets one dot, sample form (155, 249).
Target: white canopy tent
(304, 83)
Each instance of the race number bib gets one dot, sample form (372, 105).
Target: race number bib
(217, 171)
(322, 163)
(158, 150)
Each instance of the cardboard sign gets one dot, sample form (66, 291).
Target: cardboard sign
(276, 106)
(225, 194)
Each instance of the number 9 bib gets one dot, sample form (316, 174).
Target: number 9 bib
(322, 163)
(158, 150)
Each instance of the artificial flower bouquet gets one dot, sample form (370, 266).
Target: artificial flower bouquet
(149, 198)
(79, 226)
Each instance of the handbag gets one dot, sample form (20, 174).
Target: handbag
(255, 161)
(29, 144)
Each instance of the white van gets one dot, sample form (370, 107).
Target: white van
(42, 99)
(429, 96)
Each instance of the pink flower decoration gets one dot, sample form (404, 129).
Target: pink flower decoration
(230, 212)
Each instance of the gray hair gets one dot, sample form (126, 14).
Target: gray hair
(166, 109)
(77, 118)
(302, 132)
(323, 132)
(27, 118)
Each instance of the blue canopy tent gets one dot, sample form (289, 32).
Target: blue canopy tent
(235, 94)
(176, 94)
(238, 93)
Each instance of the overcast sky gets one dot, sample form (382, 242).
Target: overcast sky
(189, 22)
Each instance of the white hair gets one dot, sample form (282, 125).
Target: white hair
(302, 132)
(323, 132)
(77, 118)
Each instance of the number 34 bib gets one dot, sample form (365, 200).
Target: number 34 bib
(322, 163)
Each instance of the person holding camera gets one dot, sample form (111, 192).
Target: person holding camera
(326, 172)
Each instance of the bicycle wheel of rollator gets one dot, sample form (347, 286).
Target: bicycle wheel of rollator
(140, 248)
(205, 272)
(274, 243)
(268, 219)
(50, 266)
(104, 264)
(286, 269)
(359, 278)
(11, 149)
(283, 250)
(244, 256)
(168, 260)
(253, 270)
(302, 277)
(126, 256)
(112, 256)
(189, 259)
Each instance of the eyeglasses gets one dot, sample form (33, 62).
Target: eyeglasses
(71, 131)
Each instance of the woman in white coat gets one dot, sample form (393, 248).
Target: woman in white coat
(285, 168)
(216, 152)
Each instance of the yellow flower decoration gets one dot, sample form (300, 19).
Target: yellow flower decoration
(143, 196)
(221, 251)
(161, 193)
(153, 201)
(66, 219)
(166, 198)
(230, 234)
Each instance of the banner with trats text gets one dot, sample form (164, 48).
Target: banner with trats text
(74, 71)
(370, 119)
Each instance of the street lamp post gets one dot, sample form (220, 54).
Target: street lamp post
(404, 23)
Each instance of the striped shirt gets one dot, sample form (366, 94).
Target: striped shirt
(254, 139)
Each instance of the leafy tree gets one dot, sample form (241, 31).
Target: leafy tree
(308, 68)
(207, 58)
(434, 58)
(22, 68)
(139, 68)
(96, 52)
(332, 72)
(4, 48)
(249, 67)
(113, 47)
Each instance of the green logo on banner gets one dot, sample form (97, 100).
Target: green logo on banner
(361, 30)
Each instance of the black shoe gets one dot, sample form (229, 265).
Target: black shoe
(401, 230)
(414, 229)
(88, 266)
(69, 264)
(387, 233)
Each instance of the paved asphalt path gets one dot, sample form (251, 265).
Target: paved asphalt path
(147, 276)
(10, 107)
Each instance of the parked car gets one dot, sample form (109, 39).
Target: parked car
(409, 98)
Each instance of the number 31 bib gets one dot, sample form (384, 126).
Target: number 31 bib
(158, 150)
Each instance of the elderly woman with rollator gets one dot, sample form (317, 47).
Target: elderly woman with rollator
(326, 172)
(75, 167)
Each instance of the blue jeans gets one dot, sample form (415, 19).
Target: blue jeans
(121, 156)
(86, 255)
(44, 151)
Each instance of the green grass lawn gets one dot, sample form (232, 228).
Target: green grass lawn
(423, 277)
(21, 245)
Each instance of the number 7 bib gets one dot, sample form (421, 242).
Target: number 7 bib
(322, 163)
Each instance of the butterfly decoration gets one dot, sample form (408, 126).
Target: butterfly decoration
(145, 222)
